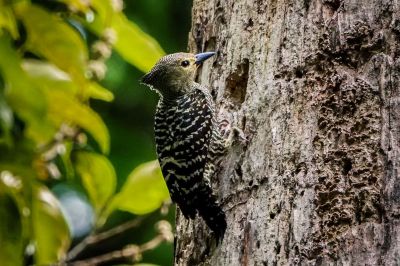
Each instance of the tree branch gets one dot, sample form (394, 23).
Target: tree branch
(132, 252)
(98, 237)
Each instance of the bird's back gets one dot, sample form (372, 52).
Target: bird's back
(185, 131)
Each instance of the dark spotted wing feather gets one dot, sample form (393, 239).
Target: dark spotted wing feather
(182, 139)
(184, 131)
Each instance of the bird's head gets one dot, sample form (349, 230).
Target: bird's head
(173, 74)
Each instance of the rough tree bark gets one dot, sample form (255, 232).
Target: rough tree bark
(315, 85)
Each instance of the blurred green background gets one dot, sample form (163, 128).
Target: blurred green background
(130, 116)
(74, 159)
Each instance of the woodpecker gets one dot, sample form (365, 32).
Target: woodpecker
(187, 136)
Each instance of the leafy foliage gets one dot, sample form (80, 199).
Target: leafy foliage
(50, 230)
(143, 192)
(49, 74)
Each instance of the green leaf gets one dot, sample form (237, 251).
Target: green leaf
(78, 5)
(98, 177)
(6, 122)
(11, 251)
(49, 36)
(63, 107)
(50, 77)
(13, 183)
(95, 91)
(26, 100)
(144, 191)
(104, 13)
(50, 229)
(6, 116)
(7, 20)
(66, 160)
(134, 45)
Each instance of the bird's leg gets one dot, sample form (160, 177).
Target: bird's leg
(235, 133)
(230, 133)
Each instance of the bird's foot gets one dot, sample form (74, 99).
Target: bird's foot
(231, 133)
(224, 127)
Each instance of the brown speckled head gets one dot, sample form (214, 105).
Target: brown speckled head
(174, 73)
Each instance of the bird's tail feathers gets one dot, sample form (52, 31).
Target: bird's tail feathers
(214, 216)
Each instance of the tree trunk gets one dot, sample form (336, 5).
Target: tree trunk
(315, 86)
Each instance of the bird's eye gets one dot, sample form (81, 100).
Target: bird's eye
(185, 63)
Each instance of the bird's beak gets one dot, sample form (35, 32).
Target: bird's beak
(203, 56)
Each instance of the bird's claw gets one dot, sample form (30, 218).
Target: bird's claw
(230, 133)
(224, 127)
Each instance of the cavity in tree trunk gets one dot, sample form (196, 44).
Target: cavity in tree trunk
(314, 84)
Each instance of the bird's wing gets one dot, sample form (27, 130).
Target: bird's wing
(183, 150)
